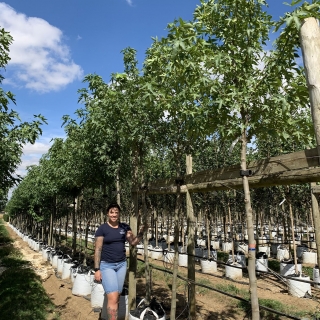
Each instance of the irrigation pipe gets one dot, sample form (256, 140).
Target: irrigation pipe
(260, 271)
(222, 292)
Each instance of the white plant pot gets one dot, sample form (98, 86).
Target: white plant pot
(232, 272)
(208, 266)
(183, 260)
(297, 288)
(309, 257)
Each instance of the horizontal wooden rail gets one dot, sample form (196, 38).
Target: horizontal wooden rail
(294, 168)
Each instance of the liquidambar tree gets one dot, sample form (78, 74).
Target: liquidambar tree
(256, 93)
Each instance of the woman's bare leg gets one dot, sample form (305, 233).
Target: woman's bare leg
(112, 306)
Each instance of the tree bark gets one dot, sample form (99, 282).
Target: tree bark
(252, 244)
(310, 46)
(190, 246)
(74, 228)
(118, 188)
(134, 227)
(176, 256)
(145, 243)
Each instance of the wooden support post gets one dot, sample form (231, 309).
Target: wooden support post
(316, 217)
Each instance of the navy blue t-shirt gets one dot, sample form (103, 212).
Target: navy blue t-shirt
(113, 249)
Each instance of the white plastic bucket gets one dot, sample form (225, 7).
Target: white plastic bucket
(183, 260)
(265, 249)
(66, 270)
(168, 256)
(73, 274)
(150, 248)
(82, 284)
(60, 264)
(232, 272)
(55, 261)
(309, 257)
(261, 262)
(226, 246)
(37, 246)
(157, 253)
(287, 268)
(140, 248)
(239, 257)
(262, 239)
(300, 250)
(208, 266)
(282, 253)
(297, 288)
(316, 277)
(215, 244)
(45, 252)
(97, 295)
(242, 247)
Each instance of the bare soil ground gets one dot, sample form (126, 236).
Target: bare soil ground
(210, 304)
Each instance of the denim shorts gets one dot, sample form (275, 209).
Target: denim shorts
(113, 275)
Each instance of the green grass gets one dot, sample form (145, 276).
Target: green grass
(273, 304)
(203, 290)
(4, 235)
(22, 296)
(140, 269)
(80, 243)
(222, 256)
(308, 271)
(274, 265)
(232, 289)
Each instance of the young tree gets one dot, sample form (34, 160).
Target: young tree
(256, 93)
(14, 133)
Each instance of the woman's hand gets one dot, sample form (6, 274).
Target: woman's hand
(142, 228)
(97, 276)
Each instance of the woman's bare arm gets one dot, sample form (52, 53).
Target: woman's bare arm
(132, 239)
(97, 256)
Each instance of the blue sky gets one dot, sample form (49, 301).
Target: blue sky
(56, 43)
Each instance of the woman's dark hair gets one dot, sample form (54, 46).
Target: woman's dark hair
(113, 205)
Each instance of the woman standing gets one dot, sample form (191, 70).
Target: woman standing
(110, 264)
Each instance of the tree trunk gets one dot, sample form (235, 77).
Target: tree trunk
(310, 46)
(231, 233)
(293, 239)
(134, 227)
(145, 243)
(118, 188)
(74, 228)
(252, 245)
(50, 229)
(191, 245)
(176, 255)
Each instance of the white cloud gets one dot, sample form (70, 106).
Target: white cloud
(36, 148)
(39, 59)
(129, 2)
(33, 152)
(31, 156)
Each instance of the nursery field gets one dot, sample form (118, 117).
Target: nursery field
(211, 304)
